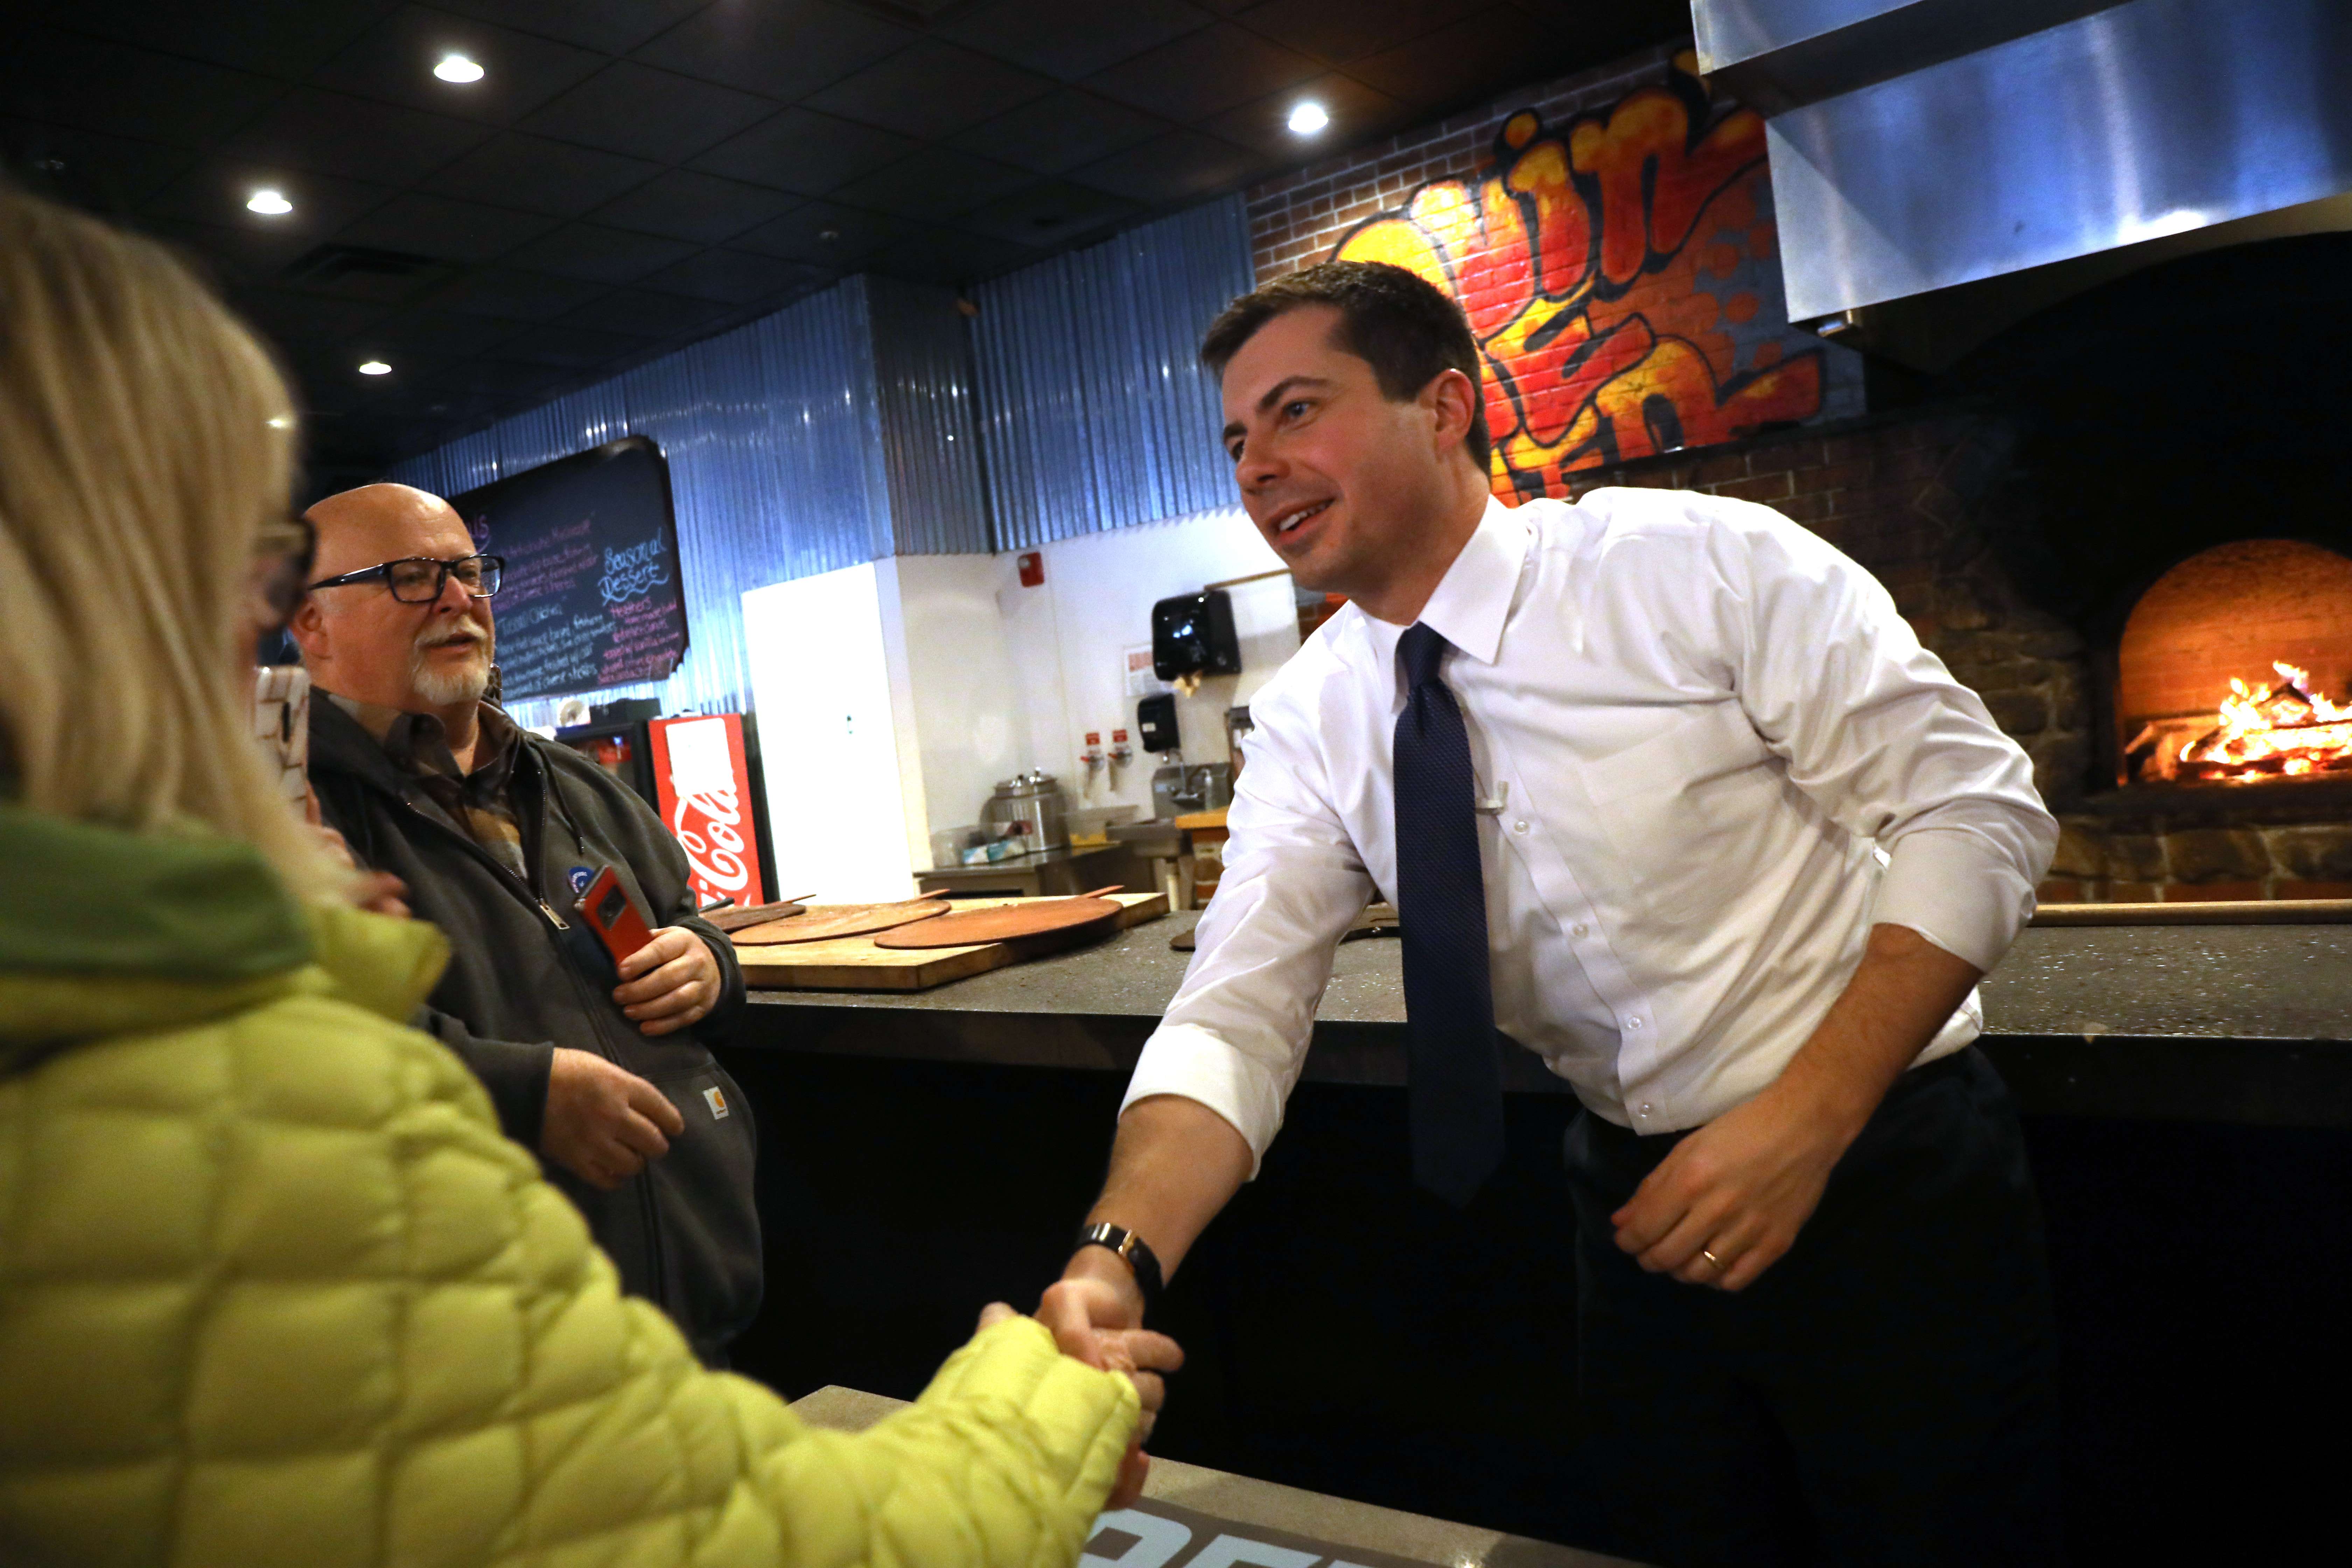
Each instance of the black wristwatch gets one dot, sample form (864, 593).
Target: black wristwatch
(1130, 1247)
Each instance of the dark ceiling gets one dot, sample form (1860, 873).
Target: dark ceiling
(631, 176)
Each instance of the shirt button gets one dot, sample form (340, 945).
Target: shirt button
(1633, 1022)
(1581, 930)
(1520, 826)
(1646, 1108)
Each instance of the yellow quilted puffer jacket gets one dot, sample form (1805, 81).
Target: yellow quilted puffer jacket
(274, 1290)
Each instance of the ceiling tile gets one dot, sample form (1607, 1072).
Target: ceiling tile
(1340, 30)
(931, 89)
(444, 227)
(285, 38)
(700, 207)
(395, 60)
(338, 134)
(236, 258)
(948, 255)
(295, 319)
(615, 26)
(104, 174)
(1060, 132)
(800, 235)
(539, 175)
(1203, 73)
(61, 79)
(734, 276)
(525, 296)
(647, 113)
(1478, 57)
(808, 154)
(1049, 214)
(216, 190)
(1356, 111)
(934, 184)
(647, 313)
(569, 346)
(784, 49)
(606, 255)
(1179, 166)
(445, 333)
(1072, 39)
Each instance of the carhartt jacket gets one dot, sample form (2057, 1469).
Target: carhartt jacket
(275, 1292)
(525, 975)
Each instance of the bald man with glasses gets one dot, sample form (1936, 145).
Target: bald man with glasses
(602, 1070)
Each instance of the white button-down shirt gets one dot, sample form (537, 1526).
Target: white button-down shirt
(1710, 756)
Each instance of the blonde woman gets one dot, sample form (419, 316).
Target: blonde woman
(272, 1288)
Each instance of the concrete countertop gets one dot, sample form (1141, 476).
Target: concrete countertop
(2228, 1022)
(1263, 1505)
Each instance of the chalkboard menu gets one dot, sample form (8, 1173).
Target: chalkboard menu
(592, 596)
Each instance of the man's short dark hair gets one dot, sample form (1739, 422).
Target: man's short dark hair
(1393, 320)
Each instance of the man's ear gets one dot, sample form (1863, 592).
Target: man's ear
(1453, 400)
(309, 629)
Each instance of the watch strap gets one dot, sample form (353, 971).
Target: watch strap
(1140, 1258)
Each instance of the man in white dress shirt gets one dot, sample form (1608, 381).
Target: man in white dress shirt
(1735, 851)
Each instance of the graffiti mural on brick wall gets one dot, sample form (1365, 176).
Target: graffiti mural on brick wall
(1621, 275)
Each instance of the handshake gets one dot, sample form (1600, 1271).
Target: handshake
(1096, 1314)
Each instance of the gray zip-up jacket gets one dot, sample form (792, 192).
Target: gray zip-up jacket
(526, 975)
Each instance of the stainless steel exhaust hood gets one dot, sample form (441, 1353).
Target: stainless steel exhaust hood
(1919, 146)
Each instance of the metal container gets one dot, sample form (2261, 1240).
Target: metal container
(1033, 807)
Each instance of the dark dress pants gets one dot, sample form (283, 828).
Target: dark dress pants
(1886, 1393)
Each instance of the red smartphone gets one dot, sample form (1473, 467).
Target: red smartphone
(606, 907)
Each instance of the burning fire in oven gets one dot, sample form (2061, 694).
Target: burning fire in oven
(2281, 731)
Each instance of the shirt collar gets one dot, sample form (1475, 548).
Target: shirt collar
(1473, 598)
(417, 744)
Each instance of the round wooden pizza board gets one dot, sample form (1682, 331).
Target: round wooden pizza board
(755, 914)
(828, 921)
(1005, 922)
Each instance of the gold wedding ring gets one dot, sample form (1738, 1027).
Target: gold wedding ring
(1711, 1257)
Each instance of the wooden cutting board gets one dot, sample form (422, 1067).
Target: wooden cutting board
(857, 963)
(827, 922)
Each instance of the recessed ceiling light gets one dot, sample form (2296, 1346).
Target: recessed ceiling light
(375, 367)
(457, 68)
(269, 204)
(1307, 117)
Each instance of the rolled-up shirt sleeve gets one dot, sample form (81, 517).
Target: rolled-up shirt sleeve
(1877, 732)
(1236, 1033)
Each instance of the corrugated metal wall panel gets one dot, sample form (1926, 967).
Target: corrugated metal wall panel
(1094, 412)
(774, 470)
(931, 449)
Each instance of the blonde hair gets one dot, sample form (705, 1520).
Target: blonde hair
(146, 441)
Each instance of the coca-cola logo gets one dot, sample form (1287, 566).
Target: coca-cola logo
(705, 825)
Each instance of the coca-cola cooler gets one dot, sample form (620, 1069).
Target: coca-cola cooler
(707, 787)
(700, 774)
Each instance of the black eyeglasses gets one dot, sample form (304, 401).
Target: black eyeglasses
(419, 579)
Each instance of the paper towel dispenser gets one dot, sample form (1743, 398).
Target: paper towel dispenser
(1192, 634)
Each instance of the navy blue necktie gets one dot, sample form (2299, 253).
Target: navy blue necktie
(1453, 1083)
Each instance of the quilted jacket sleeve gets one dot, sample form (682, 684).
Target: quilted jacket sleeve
(274, 1291)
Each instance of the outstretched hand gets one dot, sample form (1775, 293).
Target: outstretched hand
(1096, 1321)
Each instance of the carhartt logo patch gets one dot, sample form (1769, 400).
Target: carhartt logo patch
(716, 1100)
